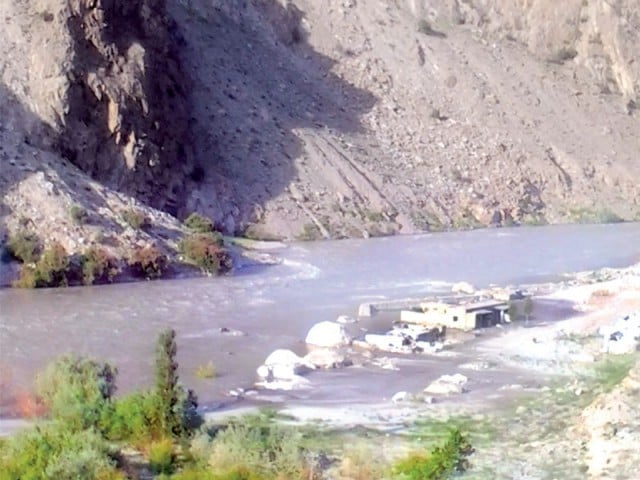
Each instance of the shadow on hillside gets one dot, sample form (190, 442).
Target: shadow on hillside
(29, 147)
(256, 82)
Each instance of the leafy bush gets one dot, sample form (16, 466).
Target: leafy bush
(161, 457)
(135, 219)
(205, 251)
(440, 463)
(78, 214)
(269, 451)
(97, 266)
(133, 418)
(147, 262)
(53, 269)
(77, 391)
(52, 452)
(198, 224)
(23, 246)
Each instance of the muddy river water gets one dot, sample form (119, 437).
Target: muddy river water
(276, 305)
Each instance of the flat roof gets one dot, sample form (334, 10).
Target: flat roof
(493, 303)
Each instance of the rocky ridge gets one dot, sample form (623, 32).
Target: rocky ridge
(304, 119)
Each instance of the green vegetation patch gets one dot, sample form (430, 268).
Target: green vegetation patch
(147, 262)
(610, 371)
(593, 215)
(439, 464)
(256, 447)
(198, 223)
(98, 266)
(206, 371)
(135, 219)
(53, 269)
(205, 251)
(78, 214)
(53, 452)
(23, 246)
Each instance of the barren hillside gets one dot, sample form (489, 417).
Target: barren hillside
(318, 118)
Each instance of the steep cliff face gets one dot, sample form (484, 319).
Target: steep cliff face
(104, 77)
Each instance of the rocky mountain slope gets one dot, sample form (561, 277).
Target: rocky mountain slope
(313, 119)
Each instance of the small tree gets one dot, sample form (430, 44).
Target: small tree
(176, 407)
(166, 372)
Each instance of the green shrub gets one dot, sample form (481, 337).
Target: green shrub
(161, 457)
(78, 214)
(133, 418)
(53, 269)
(440, 463)
(206, 371)
(147, 262)
(135, 219)
(23, 246)
(269, 451)
(77, 390)
(97, 266)
(205, 251)
(198, 224)
(52, 452)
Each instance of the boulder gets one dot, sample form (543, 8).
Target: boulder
(328, 334)
(447, 385)
(463, 287)
(326, 358)
(283, 364)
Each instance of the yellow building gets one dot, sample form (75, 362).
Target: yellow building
(467, 316)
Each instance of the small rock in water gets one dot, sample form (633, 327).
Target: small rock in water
(231, 332)
(400, 397)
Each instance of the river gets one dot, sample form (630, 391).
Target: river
(276, 305)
